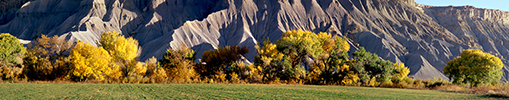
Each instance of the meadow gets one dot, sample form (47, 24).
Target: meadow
(216, 91)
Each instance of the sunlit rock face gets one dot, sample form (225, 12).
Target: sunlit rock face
(423, 37)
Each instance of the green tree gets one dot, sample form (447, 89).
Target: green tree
(11, 50)
(369, 65)
(11, 56)
(298, 46)
(47, 58)
(324, 54)
(475, 67)
(331, 67)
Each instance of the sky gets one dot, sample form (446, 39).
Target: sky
(489, 4)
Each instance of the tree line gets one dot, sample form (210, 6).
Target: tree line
(299, 57)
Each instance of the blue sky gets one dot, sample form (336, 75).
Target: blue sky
(490, 4)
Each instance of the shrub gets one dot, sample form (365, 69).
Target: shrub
(10, 72)
(138, 71)
(399, 76)
(373, 83)
(409, 80)
(388, 84)
(234, 78)
(402, 84)
(418, 83)
(221, 78)
(255, 73)
(155, 72)
(249, 73)
(436, 82)
(400, 72)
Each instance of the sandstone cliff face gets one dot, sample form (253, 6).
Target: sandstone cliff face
(483, 29)
(422, 37)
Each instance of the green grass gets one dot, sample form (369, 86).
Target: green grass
(215, 91)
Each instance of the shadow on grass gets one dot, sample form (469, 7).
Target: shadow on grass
(494, 96)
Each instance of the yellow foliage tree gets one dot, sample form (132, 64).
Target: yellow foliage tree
(138, 70)
(331, 66)
(179, 64)
(298, 46)
(11, 50)
(475, 67)
(119, 47)
(255, 73)
(269, 50)
(350, 78)
(400, 72)
(267, 60)
(287, 58)
(249, 73)
(89, 62)
(11, 56)
(154, 71)
(47, 58)
(123, 51)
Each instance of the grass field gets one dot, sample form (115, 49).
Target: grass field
(215, 91)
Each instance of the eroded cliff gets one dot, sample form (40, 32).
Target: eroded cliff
(425, 38)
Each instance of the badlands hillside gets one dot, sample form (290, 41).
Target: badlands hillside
(423, 37)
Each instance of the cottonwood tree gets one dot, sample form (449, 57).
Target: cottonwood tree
(124, 52)
(475, 67)
(319, 58)
(400, 72)
(298, 46)
(90, 62)
(217, 60)
(11, 50)
(11, 56)
(47, 58)
(268, 60)
(154, 71)
(369, 65)
(331, 66)
(179, 63)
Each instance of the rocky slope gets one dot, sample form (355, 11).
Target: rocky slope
(479, 28)
(422, 37)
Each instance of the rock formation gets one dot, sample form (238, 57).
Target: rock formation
(423, 37)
